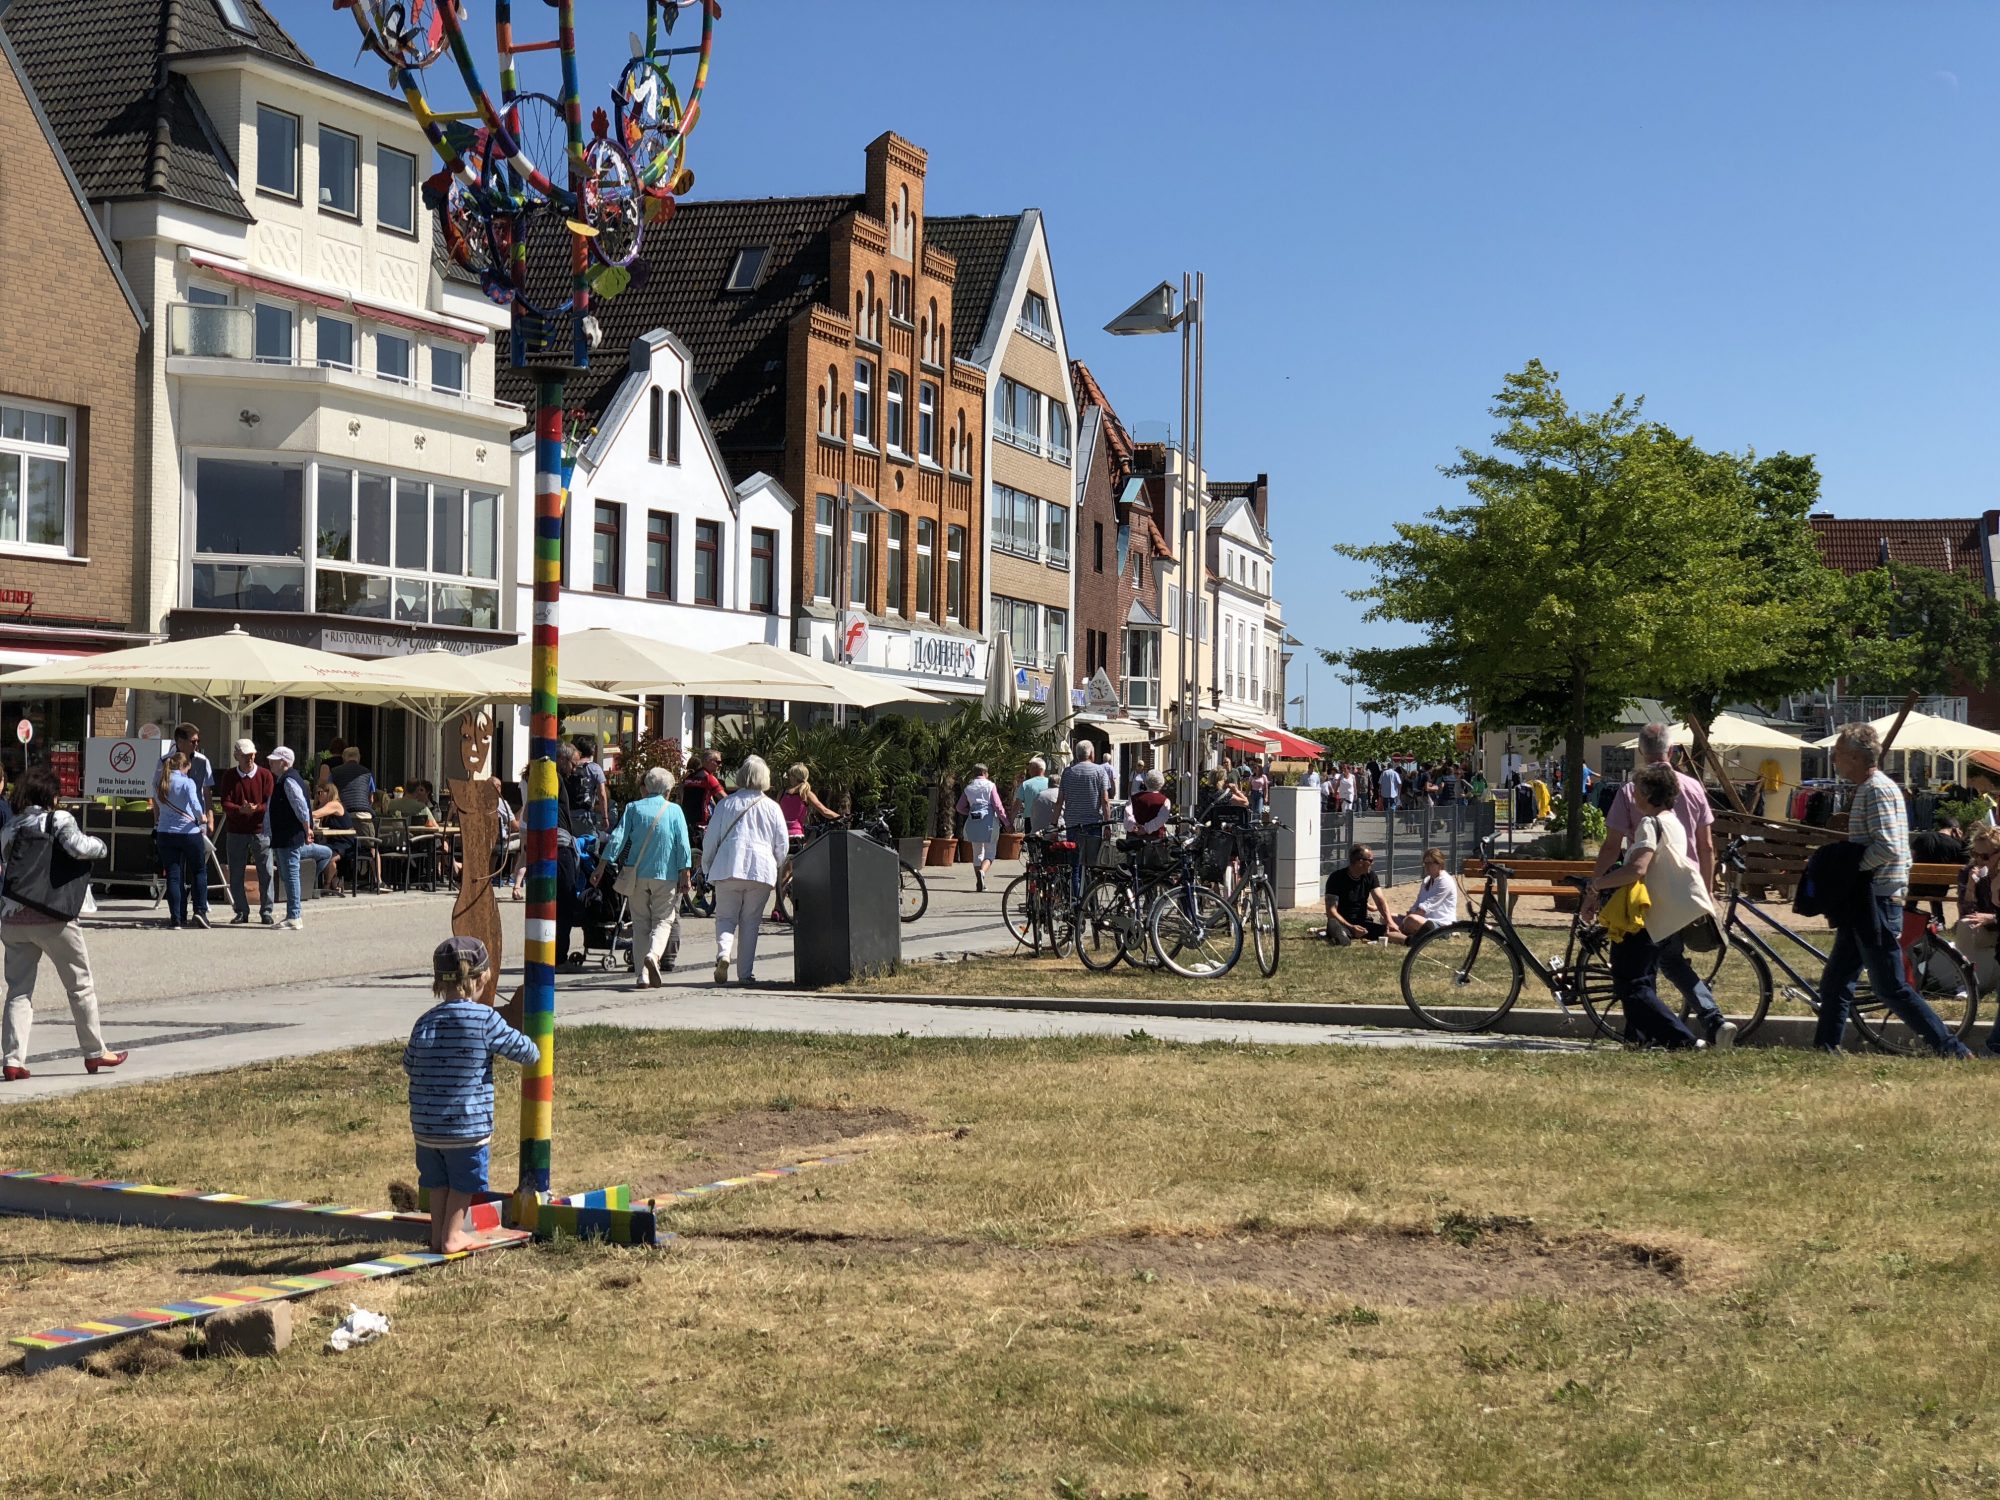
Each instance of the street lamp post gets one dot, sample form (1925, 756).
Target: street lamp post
(1155, 313)
(854, 501)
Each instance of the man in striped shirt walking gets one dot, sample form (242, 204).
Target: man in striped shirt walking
(1878, 819)
(450, 1063)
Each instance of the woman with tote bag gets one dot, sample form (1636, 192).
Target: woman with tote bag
(742, 849)
(650, 846)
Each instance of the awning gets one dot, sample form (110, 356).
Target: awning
(1249, 746)
(269, 284)
(433, 326)
(1296, 746)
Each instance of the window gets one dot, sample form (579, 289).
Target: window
(656, 425)
(206, 296)
(372, 529)
(927, 394)
(858, 559)
(926, 582)
(900, 296)
(1058, 431)
(954, 573)
(893, 413)
(482, 546)
(606, 535)
(659, 555)
(899, 536)
(392, 357)
(1018, 620)
(35, 497)
(395, 190)
(333, 514)
(1055, 633)
(1035, 319)
(443, 536)
(1057, 517)
(339, 172)
(673, 427)
(1097, 546)
(277, 151)
(864, 401)
(336, 342)
(1142, 670)
(235, 17)
(870, 328)
(823, 509)
(249, 535)
(1019, 415)
(447, 530)
(1014, 521)
(412, 524)
(274, 334)
(933, 336)
(764, 570)
(447, 370)
(743, 275)
(708, 562)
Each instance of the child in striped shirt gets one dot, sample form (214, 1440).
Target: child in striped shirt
(450, 1063)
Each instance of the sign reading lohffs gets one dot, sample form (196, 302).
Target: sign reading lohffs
(123, 767)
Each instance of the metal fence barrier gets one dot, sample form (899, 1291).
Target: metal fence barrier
(1399, 838)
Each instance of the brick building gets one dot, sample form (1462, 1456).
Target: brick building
(68, 431)
(825, 354)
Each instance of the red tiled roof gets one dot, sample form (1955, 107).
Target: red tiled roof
(1090, 393)
(1856, 546)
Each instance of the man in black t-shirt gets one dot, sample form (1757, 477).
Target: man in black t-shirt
(1348, 892)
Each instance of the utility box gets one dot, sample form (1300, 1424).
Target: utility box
(1297, 877)
(846, 912)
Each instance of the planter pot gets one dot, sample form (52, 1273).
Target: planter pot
(911, 851)
(965, 851)
(941, 851)
(1010, 846)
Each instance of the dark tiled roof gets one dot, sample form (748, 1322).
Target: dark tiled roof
(1856, 546)
(130, 129)
(738, 339)
(980, 244)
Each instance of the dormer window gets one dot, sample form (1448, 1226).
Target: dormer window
(749, 263)
(235, 17)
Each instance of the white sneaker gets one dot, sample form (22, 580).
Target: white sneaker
(721, 970)
(292, 924)
(652, 972)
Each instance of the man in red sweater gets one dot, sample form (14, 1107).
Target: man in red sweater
(245, 791)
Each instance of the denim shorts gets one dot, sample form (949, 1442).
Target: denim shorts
(462, 1169)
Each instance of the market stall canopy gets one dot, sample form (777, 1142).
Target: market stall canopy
(233, 672)
(614, 662)
(856, 689)
(1927, 734)
(1730, 732)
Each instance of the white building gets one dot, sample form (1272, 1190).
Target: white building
(657, 542)
(1247, 681)
(324, 460)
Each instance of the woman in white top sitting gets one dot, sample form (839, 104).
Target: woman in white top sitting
(742, 851)
(1437, 901)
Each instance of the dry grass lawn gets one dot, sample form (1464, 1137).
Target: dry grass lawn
(1079, 1268)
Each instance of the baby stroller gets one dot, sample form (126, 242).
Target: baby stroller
(601, 914)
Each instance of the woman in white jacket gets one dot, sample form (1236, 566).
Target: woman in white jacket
(742, 851)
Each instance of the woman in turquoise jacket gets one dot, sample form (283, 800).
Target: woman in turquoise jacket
(651, 840)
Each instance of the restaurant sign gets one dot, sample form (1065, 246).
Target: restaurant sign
(945, 656)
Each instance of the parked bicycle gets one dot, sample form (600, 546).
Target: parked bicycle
(913, 896)
(1039, 906)
(1256, 898)
(1152, 910)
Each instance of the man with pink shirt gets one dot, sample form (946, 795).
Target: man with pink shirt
(1697, 820)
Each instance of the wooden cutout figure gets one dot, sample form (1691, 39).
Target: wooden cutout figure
(476, 800)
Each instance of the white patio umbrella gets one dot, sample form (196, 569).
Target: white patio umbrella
(826, 681)
(1731, 732)
(1927, 734)
(614, 661)
(234, 673)
(1002, 692)
(440, 685)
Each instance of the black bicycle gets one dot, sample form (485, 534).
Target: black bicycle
(913, 896)
(1255, 897)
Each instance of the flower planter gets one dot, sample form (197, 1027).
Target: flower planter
(911, 851)
(965, 851)
(1010, 846)
(941, 852)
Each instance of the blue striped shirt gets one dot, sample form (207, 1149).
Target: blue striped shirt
(450, 1063)
(1878, 818)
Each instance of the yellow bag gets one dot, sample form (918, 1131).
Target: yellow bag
(1625, 912)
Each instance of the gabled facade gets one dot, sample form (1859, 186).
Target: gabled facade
(68, 436)
(659, 542)
(1247, 687)
(325, 462)
(1030, 426)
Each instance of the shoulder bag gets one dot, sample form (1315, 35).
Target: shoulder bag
(1678, 903)
(626, 881)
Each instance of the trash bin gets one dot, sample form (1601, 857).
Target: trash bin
(846, 920)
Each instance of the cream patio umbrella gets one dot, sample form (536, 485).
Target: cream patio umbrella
(1928, 734)
(234, 673)
(1732, 732)
(1002, 690)
(855, 689)
(614, 661)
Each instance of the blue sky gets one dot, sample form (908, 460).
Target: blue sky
(1777, 221)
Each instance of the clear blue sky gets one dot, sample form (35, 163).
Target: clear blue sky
(1778, 221)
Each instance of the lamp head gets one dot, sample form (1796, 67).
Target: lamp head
(1152, 313)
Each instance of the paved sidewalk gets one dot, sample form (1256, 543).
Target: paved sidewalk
(198, 1002)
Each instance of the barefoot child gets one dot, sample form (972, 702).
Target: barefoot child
(450, 1063)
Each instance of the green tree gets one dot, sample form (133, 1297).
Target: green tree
(1921, 630)
(1600, 556)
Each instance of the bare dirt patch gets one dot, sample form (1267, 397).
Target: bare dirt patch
(752, 1139)
(1492, 1261)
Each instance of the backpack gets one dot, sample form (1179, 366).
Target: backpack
(42, 875)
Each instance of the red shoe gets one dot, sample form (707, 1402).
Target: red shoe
(109, 1060)
(15, 1075)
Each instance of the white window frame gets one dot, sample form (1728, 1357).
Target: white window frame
(895, 414)
(860, 558)
(1027, 439)
(292, 319)
(864, 403)
(449, 351)
(298, 150)
(382, 221)
(826, 513)
(894, 573)
(927, 402)
(22, 450)
(927, 568)
(954, 569)
(1011, 534)
(1059, 431)
(408, 376)
(320, 358)
(354, 178)
(1056, 553)
(1044, 332)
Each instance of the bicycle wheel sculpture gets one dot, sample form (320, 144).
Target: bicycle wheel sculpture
(551, 220)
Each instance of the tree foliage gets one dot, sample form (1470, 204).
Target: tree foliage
(1599, 557)
(1922, 630)
(1424, 742)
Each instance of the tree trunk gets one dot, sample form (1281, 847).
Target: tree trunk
(1573, 769)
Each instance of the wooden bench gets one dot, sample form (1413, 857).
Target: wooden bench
(1533, 877)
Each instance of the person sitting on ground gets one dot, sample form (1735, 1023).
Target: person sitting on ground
(1150, 809)
(449, 1061)
(1436, 903)
(1978, 930)
(1349, 890)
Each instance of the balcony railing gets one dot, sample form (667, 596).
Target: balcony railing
(209, 332)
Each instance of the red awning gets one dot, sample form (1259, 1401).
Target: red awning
(1288, 746)
(269, 284)
(1247, 746)
(416, 324)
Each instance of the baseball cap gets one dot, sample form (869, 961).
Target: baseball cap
(246, 747)
(455, 951)
(283, 753)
